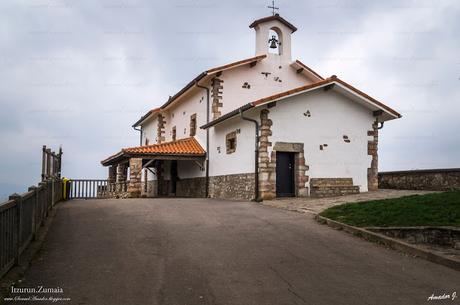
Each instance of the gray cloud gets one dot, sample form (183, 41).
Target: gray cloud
(80, 73)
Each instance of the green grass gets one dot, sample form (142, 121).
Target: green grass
(438, 209)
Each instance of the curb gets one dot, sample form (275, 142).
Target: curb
(17, 273)
(392, 243)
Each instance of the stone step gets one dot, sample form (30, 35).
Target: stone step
(331, 182)
(332, 191)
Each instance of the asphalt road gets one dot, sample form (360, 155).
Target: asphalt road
(196, 251)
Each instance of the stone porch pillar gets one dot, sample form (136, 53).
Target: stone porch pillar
(112, 178)
(135, 173)
(112, 174)
(122, 171)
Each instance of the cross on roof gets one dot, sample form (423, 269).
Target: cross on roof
(273, 7)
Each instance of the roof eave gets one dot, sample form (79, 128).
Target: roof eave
(274, 17)
(315, 86)
(112, 159)
(184, 89)
(145, 117)
(142, 119)
(307, 69)
(228, 116)
(393, 113)
(197, 79)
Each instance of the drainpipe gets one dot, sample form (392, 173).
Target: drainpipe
(256, 156)
(140, 134)
(207, 139)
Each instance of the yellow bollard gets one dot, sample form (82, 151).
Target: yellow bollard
(65, 188)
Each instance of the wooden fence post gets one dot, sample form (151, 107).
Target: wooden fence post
(59, 162)
(48, 163)
(44, 204)
(52, 193)
(18, 199)
(34, 189)
(43, 162)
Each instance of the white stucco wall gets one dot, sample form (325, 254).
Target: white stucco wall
(179, 115)
(149, 131)
(332, 117)
(282, 77)
(240, 161)
(189, 169)
(234, 95)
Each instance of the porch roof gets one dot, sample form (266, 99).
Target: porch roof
(183, 149)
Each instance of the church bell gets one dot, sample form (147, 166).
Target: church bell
(273, 41)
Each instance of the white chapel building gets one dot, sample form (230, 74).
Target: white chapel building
(259, 128)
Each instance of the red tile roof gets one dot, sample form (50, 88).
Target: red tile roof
(289, 92)
(188, 146)
(328, 81)
(331, 79)
(182, 147)
(236, 63)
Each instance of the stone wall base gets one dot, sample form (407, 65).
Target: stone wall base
(429, 179)
(236, 186)
(443, 236)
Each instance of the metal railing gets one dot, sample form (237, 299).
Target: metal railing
(88, 188)
(20, 218)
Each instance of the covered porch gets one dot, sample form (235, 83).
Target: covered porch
(173, 168)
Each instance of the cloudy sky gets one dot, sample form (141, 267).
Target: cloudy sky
(79, 73)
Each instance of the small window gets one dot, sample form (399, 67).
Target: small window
(174, 133)
(193, 124)
(230, 140)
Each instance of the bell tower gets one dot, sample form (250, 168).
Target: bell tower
(273, 37)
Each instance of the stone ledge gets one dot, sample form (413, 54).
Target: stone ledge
(392, 243)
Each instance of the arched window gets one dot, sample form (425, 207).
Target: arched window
(275, 41)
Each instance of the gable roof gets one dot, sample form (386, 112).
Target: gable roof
(209, 72)
(333, 80)
(271, 18)
(304, 68)
(182, 147)
(147, 115)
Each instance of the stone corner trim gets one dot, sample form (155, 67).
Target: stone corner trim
(161, 128)
(267, 165)
(216, 92)
(372, 150)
